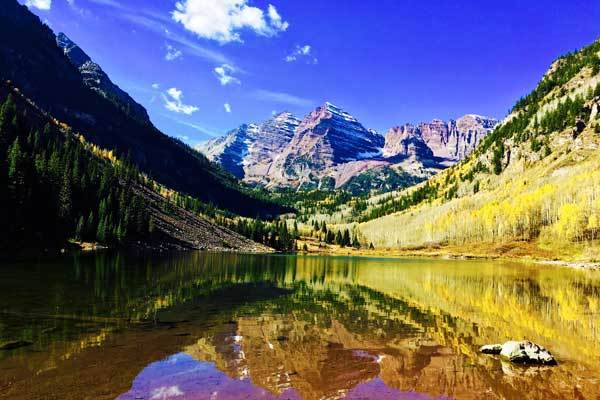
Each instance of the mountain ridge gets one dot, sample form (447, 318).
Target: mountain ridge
(96, 79)
(329, 148)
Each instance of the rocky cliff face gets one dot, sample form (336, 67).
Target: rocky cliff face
(406, 141)
(327, 137)
(96, 79)
(452, 140)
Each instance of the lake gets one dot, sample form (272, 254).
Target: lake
(229, 326)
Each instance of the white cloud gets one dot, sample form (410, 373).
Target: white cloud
(172, 53)
(39, 4)
(276, 20)
(222, 20)
(302, 52)
(157, 23)
(224, 75)
(282, 98)
(227, 107)
(174, 102)
(155, 86)
(206, 131)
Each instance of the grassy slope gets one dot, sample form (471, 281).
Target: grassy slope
(546, 200)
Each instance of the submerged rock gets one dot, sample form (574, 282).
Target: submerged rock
(520, 352)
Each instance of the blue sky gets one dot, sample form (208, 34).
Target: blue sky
(203, 67)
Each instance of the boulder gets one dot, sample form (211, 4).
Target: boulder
(520, 352)
(491, 349)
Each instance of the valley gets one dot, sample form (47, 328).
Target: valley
(524, 187)
(284, 200)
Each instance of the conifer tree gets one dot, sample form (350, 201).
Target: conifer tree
(346, 238)
(79, 231)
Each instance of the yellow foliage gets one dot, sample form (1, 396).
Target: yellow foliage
(563, 202)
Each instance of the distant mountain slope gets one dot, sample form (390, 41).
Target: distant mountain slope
(248, 151)
(31, 59)
(452, 140)
(330, 149)
(535, 178)
(96, 79)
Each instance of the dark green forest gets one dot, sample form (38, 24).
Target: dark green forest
(54, 189)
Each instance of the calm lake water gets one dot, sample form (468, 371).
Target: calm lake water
(227, 326)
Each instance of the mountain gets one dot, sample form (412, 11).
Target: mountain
(96, 79)
(327, 137)
(330, 149)
(32, 61)
(530, 187)
(248, 151)
(452, 140)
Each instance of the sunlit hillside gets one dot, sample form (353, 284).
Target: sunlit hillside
(536, 178)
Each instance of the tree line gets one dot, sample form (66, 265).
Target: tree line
(339, 237)
(275, 234)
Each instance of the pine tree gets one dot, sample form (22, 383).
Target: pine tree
(497, 158)
(329, 237)
(101, 231)
(339, 240)
(15, 161)
(346, 238)
(65, 199)
(324, 227)
(90, 226)
(8, 112)
(79, 231)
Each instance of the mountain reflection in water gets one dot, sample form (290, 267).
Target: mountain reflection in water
(227, 326)
(183, 376)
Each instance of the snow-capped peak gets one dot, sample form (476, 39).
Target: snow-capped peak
(337, 111)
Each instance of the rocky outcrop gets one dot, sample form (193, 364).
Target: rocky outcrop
(452, 140)
(406, 141)
(96, 79)
(520, 352)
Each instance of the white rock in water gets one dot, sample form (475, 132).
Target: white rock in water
(521, 352)
(526, 352)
